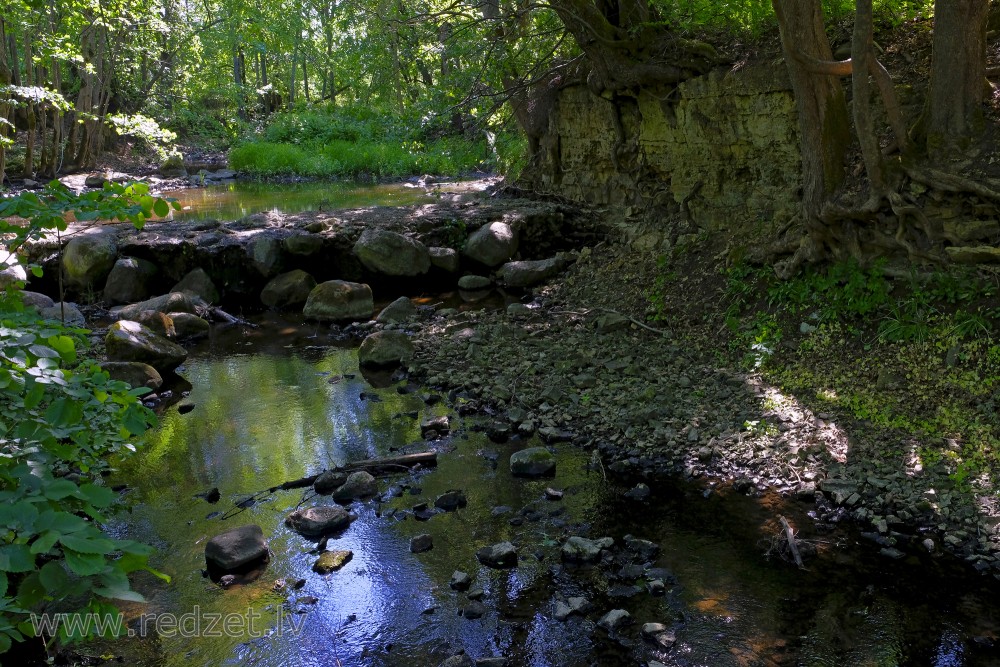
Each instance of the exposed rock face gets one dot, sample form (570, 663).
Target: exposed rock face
(175, 302)
(400, 310)
(134, 373)
(532, 272)
(982, 254)
(385, 348)
(728, 145)
(316, 521)
(533, 462)
(331, 561)
(129, 281)
(266, 254)
(130, 341)
(197, 283)
(303, 244)
(88, 259)
(339, 300)
(392, 254)
(235, 548)
(445, 259)
(288, 289)
(492, 244)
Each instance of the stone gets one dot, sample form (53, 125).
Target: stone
(474, 610)
(421, 543)
(13, 275)
(303, 244)
(533, 462)
(87, 260)
(385, 348)
(159, 323)
(130, 341)
(553, 494)
(129, 281)
(235, 548)
(399, 311)
(530, 273)
(574, 605)
(449, 501)
(499, 556)
(198, 283)
(392, 254)
(64, 311)
(644, 549)
(134, 373)
(339, 300)
(982, 254)
(318, 521)
(331, 561)
(188, 326)
(445, 259)
(492, 244)
(357, 485)
(35, 300)
(963, 231)
(460, 581)
(96, 180)
(266, 254)
(460, 660)
(581, 550)
(471, 282)
(329, 481)
(518, 310)
(174, 302)
(615, 620)
(439, 425)
(173, 166)
(288, 289)
(658, 633)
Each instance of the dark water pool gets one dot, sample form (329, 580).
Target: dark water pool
(280, 402)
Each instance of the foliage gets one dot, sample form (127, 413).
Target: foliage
(61, 417)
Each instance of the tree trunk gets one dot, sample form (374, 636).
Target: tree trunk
(5, 80)
(824, 132)
(31, 109)
(954, 112)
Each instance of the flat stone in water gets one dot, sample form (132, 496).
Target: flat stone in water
(581, 550)
(315, 521)
(533, 462)
(615, 619)
(235, 548)
(330, 561)
(421, 543)
(501, 555)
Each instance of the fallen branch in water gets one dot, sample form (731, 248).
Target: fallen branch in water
(373, 466)
(790, 537)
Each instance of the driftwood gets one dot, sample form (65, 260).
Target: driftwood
(374, 466)
(790, 537)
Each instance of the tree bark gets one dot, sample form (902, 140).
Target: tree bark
(824, 133)
(5, 80)
(954, 112)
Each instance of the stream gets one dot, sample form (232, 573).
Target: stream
(283, 400)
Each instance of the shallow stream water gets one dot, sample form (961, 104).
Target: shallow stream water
(281, 401)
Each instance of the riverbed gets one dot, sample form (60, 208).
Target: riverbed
(284, 400)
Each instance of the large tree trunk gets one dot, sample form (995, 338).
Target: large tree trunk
(31, 110)
(5, 80)
(824, 132)
(954, 112)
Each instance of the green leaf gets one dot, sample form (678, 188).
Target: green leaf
(45, 542)
(85, 564)
(161, 208)
(59, 489)
(64, 412)
(31, 590)
(135, 419)
(120, 594)
(98, 496)
(53, 576)
(43, 352)
(87, 545)
(65, 346)
(16, 558)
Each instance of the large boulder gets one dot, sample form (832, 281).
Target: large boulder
(130, 341)
(36, 300)
(265, 252)
(445, 259)
(13, 274)
(66, 312)
(134, 373)
(159, 323)
(492, 244)
(87, 260)
(339, 300)
(400, 310)
(359, 484)
(129, 280)
(288, 289)
(322, 520)
(392, 254)
(530, 273)
(385, 348)
(533, 462)
(197, 283)
(501, 555)
(236, 548)
(174, 302)
(303, 244)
